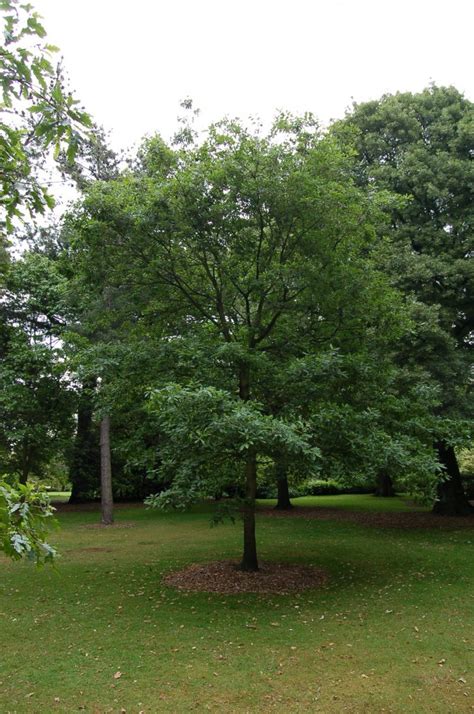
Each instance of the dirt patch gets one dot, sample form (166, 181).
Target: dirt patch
(414, 520)
(225, 577)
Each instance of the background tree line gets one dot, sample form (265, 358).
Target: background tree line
(248, 310)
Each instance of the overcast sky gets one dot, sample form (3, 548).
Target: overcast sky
(131, 62)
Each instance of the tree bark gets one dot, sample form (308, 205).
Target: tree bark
(283, 502)
(452, 500)
(249, 561)
(107, 503)
(25, 462)
(84, 464)
(384, 485)
(25, 472)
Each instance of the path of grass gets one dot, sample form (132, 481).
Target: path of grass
(391, 633)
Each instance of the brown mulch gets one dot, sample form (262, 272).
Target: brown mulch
(409, 520)
(224, 577)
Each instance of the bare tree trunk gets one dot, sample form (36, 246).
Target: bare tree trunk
(107, 502)
(384, 485)
(249, 559)
(452, 500)
(283, 503)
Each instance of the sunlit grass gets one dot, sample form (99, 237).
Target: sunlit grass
(358, 502)
(59, 496)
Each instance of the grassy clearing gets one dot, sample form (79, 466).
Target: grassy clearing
(364, 502)
(391, 632)
(59, 496)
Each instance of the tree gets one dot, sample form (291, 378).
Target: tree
(367, 415)
(106, 472)
(419, 146)
(83, 462)
(38, 116)
(233, 241)
(36, 402)
(94, 160)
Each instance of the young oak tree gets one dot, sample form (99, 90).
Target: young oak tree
(239, 237)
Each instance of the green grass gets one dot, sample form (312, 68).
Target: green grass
(59, 496)
(392, 631)
(365, 502)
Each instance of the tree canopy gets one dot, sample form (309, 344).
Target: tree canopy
(255, 247)
(419, 147)
(38, 119)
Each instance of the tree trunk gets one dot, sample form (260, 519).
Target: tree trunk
(283, 503)
(384, 485)
(25, 472)
(452, 500)
(84, 463)
(25, 462)
(249, 561)
(107, 503)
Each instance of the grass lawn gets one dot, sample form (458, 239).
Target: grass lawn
(365, 502)
(59, 496)
(391, 632)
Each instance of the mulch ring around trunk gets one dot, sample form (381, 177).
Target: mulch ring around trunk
(224, 577)
(415, 519)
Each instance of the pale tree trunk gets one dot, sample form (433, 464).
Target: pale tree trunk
(107, 502)
(249, 559)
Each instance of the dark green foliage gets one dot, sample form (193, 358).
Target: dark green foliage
(84, 460)
(419, 147)
(207, 436)
(36, 403)
(250, 248)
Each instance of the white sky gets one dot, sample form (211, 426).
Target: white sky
(131, 63)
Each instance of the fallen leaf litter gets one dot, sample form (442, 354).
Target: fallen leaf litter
(225, 577)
